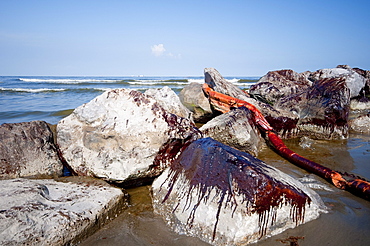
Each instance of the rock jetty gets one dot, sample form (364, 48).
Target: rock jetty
(208, 181)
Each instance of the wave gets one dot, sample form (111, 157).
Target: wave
(158, 82)
(31, 90)
(70, 81)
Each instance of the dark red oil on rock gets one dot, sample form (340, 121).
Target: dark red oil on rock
(209, 165)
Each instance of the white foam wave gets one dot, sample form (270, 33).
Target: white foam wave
(200, 81)
(30, 90)
(156, 82)
(69, 81)
(245, 83)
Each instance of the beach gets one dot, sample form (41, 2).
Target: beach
(25, 98)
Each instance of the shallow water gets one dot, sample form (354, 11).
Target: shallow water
(347, 223)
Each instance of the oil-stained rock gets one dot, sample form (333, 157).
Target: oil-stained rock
(354, 80)
(283, 121)
(236, 129)
(168, 99)
(228, 197)
(323, 109)
(117, 136)
(281, 83)
(27, 149)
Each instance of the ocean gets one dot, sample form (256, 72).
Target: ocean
(50, 98)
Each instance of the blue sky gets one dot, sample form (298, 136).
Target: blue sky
(240, 38)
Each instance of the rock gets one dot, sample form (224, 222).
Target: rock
(48, 212)
(236, 129)
(360, 124)
(323, 109)
(366, 75)
(117, 135)
(215, 80)
(277, 84)
(27, 150)
(360, 105)
(193, 98)
(284, 122)
(227, 197)
(170, 102)
(354, 80)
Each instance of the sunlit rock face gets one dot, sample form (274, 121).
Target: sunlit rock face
(323, 109)
(194, 99)
(283, 121)
(277, 84)
(48, 212)
(236, 129)
(228, 197)
(117, 135)
(27, 149)
(360, 124)
(354, 80)
(168, 99)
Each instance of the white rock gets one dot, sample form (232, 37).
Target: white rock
(354, 81)
(47, 212)
(236, 129)
(168, 99)
(360, 124)
(117, 135)
(226, 197)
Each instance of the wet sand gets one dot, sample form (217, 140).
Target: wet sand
(347, 222)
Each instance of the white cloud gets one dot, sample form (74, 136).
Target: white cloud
(158, 49)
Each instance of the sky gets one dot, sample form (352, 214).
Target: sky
(238, 38)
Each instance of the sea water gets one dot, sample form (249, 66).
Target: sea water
(50, 98)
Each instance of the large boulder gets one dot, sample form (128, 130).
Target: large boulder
(117, 135)
(227, 197)
(236, 129)
(170, 102)
(353, 79)
(193, 98)
(48, 212)
(27, 149)
(323, 109)
(277, 84)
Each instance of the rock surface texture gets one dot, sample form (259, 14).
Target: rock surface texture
(117, 135)
(323, 109)
(361, 124)
(194, 99)
(354, 80)
(281, 83)
(170, 102)
(228, 197)
(47, 212)
(283, 121)
(27, 150)
(236, 129)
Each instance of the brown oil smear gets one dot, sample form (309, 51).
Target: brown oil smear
(209, 165)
